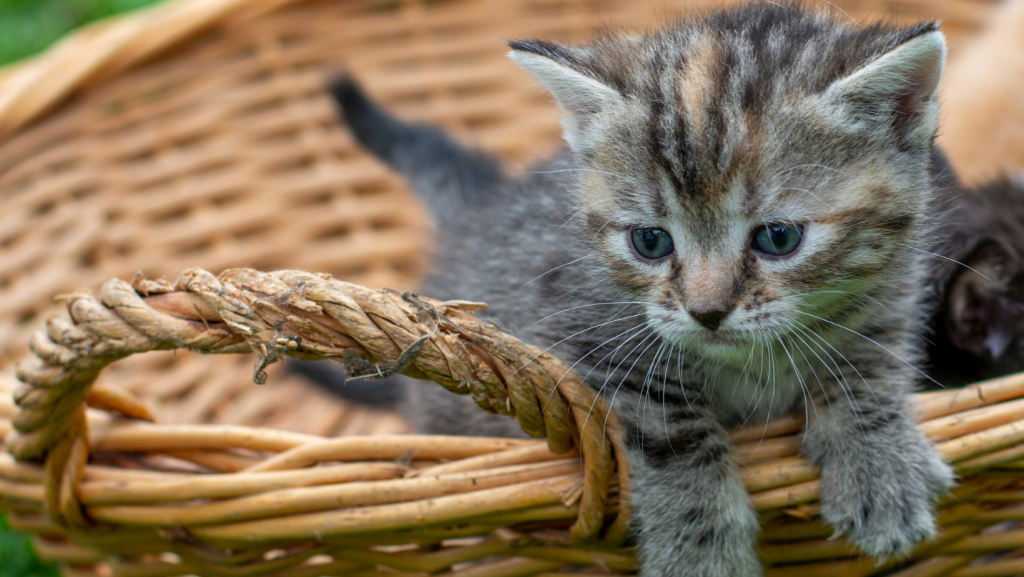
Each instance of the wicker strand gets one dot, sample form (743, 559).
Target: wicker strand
(310, 316)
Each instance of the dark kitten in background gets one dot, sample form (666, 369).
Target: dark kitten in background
(977, 331)
(737, 229)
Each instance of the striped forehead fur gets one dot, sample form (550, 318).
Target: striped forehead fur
(759, 44)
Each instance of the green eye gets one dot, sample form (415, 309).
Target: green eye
(777, 239)
(652, 243)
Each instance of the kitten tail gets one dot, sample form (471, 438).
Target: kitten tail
(449, 178)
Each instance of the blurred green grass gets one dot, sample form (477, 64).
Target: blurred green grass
(29, 26)
(26, 28)
(17, 559)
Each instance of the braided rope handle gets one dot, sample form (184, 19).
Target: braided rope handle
(310, 316)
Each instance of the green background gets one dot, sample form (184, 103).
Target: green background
(28, 27)
(17, 558)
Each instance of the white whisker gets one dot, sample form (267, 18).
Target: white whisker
(886, 349)
(944, 258)
(852, 19)
(872, 299)
(611, 403)
(664, 387)
(625, 376)
(645, 388)
(588, 305)
(573, 335)
(586, 256)
(577, 213)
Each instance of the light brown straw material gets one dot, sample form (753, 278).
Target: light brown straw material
(198, 133)
(534, 506)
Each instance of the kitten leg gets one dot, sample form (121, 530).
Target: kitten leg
(692, 514)
(880, 476)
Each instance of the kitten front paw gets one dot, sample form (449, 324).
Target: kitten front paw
(724, 556)
(883, 496)
(706, 528)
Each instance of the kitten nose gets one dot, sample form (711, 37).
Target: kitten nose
(709, 318)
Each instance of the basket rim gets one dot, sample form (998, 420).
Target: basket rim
(97, 52)
(87, 56)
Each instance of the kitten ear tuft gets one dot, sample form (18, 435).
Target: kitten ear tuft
(899, 87)
(976, 319)
(561, 69)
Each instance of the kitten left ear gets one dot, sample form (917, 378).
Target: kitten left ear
(562, 71)
(898, 88)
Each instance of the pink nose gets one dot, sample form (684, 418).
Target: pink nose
(710, 318)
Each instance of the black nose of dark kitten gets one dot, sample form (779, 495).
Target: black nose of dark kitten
(709, 318)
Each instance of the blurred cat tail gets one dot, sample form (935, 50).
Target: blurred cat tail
(448, 177)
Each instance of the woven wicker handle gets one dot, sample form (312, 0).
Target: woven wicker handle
(313, 317)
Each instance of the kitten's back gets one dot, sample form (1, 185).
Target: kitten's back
(507, 240)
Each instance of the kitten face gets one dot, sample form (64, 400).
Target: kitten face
(724, 140)
(850, 214)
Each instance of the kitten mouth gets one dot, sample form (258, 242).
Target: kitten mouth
(723, 338)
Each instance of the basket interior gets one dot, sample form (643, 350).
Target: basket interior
(224, 151)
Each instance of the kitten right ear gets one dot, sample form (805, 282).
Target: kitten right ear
(897, 89)
(561, 70)
(976, 319)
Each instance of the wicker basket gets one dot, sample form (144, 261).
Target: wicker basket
(198, 134)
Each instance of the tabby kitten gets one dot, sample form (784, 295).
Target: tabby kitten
(733, 232)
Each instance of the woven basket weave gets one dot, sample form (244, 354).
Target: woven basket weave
(198, 134)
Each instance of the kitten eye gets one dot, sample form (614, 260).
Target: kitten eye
(652, 243)
(777, 239)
